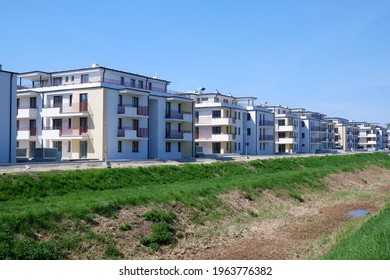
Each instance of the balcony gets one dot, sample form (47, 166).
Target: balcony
(131, 111)
(132, 133)
(286, 140)
(27, 113)
(37, 84)
(65, 132)
(315, 140)
(26, 133)
(266, 138)
(206, 121)
(266, 123)
(286, 128)
(176, 115)
(179, 135)
(216, 138)
(74, 109)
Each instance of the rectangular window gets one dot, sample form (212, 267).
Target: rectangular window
(168, 147)
(239, 115)
(119, 146)
(149, 86)
(135, 146)
(140, 84)
(239, 131)
(70, 100)
(122, 81)
(17, 144)
(66, 79)
(85, 78)
(216, 129)
(303, 124)
(179, 108)
(303, 135)
(70, 123)
(17, 124)
(120, 100)
(205, 99)
(179, 147)
(57, 145)
(248, 116)
(69, 146)
(72, 79)
(248, 131)
(179, 127)
(132, 82)
(120, 123)
(216, 114)
(239, 146)
(57, 81)
(33, 102)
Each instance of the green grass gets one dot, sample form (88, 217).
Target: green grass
(43, 201)
(369, 242)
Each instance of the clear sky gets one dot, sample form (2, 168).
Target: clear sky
(331, 56)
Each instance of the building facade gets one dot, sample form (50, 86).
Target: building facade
(104, 114)
(8, 116)
(225, 124)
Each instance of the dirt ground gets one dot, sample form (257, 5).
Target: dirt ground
(270, 226)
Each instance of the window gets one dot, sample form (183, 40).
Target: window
(303, 135)
(168, 147)
(179, 108)
(140, 84)
(122, 81)
(205, 98)
(303, 145)
(235, 145)
(57, 145)
(69, 146)
(150, 86)
(17, 144)
(17, 124)
(135, 146)
(70, 100)
(57, 81)
(179, 127)
(17, 103)
(216, 129)
(179, 147)
(119, 146)
(66, 79)
(239, 131)
(302, 124)
(33, 102)
(132, 82)
(216, 114)
(120, 123)
(239, 115)
(239, 146)
(248, 131)
(248, 117)
(72, 79)
(70, 123)
(120, 101)
(85, 78)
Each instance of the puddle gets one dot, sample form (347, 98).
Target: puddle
(357, 213)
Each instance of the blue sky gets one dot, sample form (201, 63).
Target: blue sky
(330, 56)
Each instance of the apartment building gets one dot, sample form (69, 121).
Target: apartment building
(8, 116)
(346, 133)
(372, 136)
(287, 130)
(102, 113)
(226, 124)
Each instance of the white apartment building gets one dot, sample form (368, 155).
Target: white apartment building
(225, 124)
(8, 116)
(104, 114)
(372, 136)
(346, 133)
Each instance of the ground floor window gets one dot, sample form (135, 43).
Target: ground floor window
(168, 147)
(135, 147)
(119, 146)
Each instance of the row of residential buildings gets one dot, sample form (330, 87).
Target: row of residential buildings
(106, 114)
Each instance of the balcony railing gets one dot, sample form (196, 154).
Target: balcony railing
(33, 130)
(69, 108)
(141, 132)
(143, 86)
(315, 139)
(141, 110)
(173, 134)
(266, 137)
(66, 131)
(266, 123)
(175, 114)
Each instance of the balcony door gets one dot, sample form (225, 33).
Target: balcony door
(83, 102)
(57, 101)
(83, 149)
(216, 148)
(168, 110)
(83, 125)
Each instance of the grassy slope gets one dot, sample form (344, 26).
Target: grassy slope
(42, 201)
(370, 242)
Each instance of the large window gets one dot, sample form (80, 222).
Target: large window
(33, 102)
(217, 130)
(135, 146)
(168, 147)
(85, 78)
(216, 114)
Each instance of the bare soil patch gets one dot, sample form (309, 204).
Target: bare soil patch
(269, 226)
